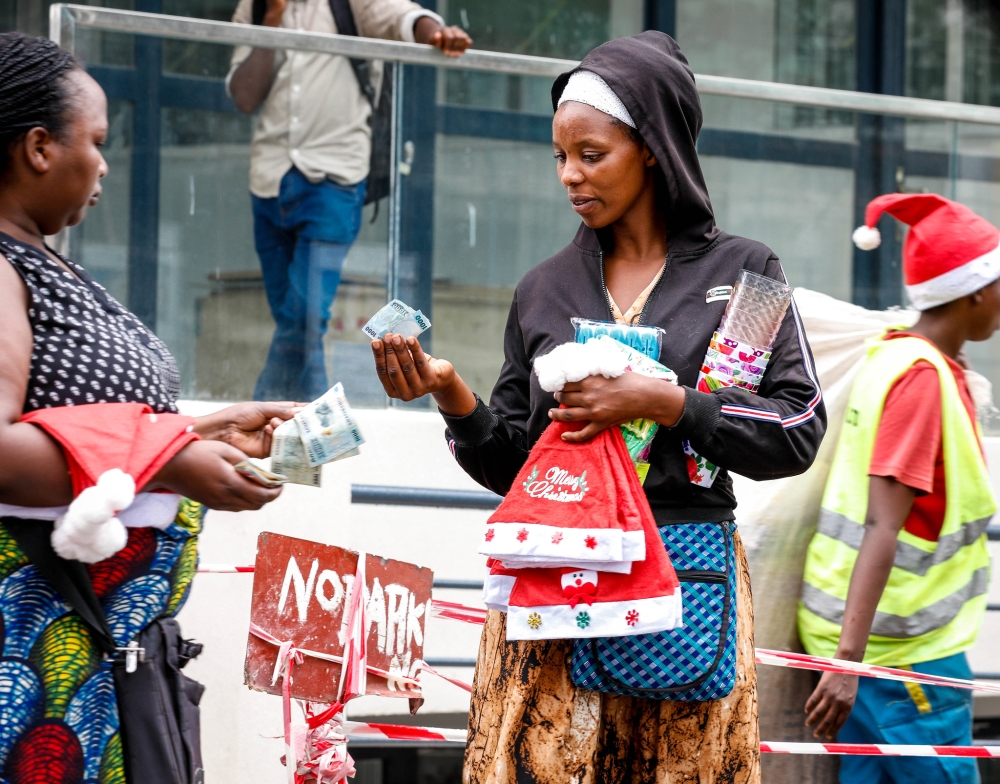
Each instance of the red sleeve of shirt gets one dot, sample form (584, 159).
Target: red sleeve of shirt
(909, 433)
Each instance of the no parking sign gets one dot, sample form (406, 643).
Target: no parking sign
(300, 592)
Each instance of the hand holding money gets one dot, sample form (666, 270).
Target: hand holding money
(321, 432)
(407, 373)
(327, 427)
(398, 318)
(259, 474)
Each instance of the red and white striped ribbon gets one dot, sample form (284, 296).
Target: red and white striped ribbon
(802, 661)
(396, 732)
(458, 612)
(878, 750)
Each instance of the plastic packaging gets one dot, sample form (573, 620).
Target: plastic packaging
(740, 349)
(646, 340)
(638, 433)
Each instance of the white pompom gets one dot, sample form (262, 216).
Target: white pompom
(118, 488)
(866, 237)
(576, 361)
(90, 531)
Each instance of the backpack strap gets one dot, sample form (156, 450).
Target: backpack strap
(344, 18)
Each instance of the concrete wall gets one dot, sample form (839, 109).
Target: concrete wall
(241, 729)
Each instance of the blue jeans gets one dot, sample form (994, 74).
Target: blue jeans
(302, 237)
(894, 712)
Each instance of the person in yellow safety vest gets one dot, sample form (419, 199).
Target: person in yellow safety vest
(897, 572)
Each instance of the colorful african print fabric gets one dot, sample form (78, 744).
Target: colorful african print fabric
(58, 711)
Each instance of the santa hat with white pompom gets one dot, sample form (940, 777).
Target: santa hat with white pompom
(950, 251)
(112, 449)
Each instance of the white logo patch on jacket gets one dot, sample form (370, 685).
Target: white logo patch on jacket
(718, 294)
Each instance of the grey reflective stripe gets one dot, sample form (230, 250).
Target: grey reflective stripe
(909, 558)
(925, 620)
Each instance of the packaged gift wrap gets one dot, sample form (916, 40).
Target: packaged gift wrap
(738, 353)
(641, 347)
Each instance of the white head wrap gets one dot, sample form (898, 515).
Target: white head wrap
(589, 88)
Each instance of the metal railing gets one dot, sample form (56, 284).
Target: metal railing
(64, 19)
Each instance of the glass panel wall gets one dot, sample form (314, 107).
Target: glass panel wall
(480, 203)
(200, 285)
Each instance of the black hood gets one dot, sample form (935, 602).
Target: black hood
(651, 76)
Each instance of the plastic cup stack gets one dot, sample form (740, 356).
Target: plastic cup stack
(755, 310)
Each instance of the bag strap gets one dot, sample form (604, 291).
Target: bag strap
(70, 578)
(344, 18)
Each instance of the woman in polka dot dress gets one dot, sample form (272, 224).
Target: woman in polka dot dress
(64, 341)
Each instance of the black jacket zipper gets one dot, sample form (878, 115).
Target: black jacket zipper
(642, 313)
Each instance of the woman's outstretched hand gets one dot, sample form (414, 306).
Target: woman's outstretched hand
(407, 373)
(246, 426)
(203, 471)
(605, 402)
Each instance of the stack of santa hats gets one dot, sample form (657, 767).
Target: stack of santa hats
(573, 549)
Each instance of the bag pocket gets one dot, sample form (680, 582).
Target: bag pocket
(695, 662)
(158, 709)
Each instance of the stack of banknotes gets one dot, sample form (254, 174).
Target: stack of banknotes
(322, 432)
(399, 318)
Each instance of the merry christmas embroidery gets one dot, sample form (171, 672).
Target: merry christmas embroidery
(558, 485)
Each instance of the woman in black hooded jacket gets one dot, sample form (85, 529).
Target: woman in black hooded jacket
(629, 163)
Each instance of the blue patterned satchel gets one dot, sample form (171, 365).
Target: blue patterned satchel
(695, 662)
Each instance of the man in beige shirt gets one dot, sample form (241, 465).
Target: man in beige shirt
(308, 168)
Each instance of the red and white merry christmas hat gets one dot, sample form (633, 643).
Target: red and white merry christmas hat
(548, 604)
(949, 252)
(564, 506)
(498, 584)
(629, 520)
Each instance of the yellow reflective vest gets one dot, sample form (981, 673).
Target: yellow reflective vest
(934, 602)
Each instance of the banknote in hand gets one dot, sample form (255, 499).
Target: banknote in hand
(288, 456)
(259, 474)
(399, 318)
(328, 428)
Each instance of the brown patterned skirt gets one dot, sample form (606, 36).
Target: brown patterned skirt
(528, 723)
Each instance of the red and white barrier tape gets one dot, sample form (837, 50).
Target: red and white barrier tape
(458, 612)
(878, 750)
(801, 661)
(396, 732)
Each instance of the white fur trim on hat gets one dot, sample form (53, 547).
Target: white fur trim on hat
(956, 283)
(867, 237)
(496, 591)
(576, 361)
(616, 567)
(600, 619)
(589, 88)
(90, 531)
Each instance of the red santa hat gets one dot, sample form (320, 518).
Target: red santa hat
(498, 584)
(565, 507)
(949, 252)
(548, 604)
(111, 449)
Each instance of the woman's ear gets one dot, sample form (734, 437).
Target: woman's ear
(37, 148)
(650, 159)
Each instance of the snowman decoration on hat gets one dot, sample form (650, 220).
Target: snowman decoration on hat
(579, 585)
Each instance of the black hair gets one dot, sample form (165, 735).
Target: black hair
(32, 88)
(631, 132)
